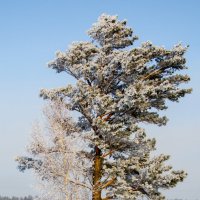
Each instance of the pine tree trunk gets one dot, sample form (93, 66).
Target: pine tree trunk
(97, 173)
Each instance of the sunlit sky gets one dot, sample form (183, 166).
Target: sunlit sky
(31, 32)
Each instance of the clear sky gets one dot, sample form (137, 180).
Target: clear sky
(31, 32)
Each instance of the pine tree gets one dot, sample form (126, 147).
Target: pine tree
(117, 88)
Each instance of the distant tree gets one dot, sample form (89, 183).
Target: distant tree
(16, 198)
(117, 89)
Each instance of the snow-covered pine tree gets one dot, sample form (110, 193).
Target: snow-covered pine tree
(119, 87)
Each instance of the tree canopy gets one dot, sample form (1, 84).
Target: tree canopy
(117, 88)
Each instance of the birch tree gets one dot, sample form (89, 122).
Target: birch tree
(118, 87)
(54, 157)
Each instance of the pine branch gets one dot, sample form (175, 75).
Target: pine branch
(109, 183)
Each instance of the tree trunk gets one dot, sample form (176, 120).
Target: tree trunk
(97, 173)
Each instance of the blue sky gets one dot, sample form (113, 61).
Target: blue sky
(31, 32)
